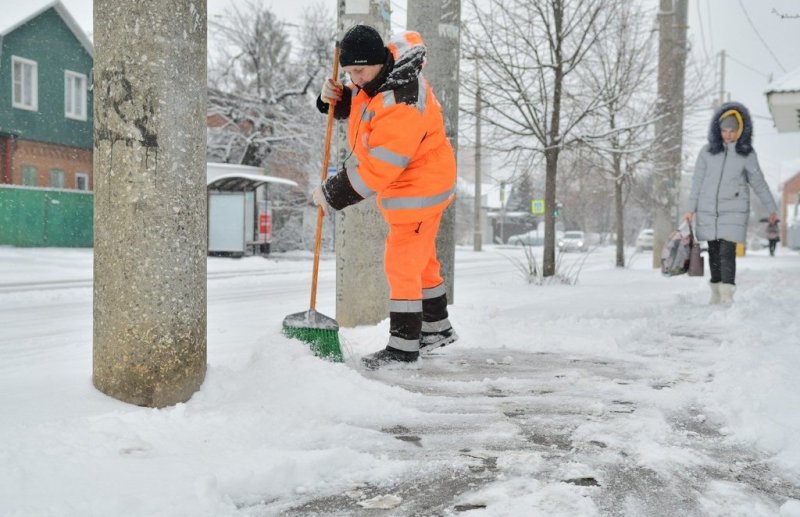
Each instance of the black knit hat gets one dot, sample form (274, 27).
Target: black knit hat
(362, 45)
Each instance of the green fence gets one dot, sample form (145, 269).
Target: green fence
(39, 217)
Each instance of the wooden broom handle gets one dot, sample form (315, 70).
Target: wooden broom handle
(326, 154)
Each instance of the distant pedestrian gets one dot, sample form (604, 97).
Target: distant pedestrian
(726, 168)
(396, 132)
(773, 235)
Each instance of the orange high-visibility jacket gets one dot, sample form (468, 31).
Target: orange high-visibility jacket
(397, 134)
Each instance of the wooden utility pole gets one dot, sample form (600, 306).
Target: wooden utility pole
(672, 26)
(721, 77)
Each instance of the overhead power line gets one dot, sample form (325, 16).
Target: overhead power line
(742, 63)
(759, 36)
(702, 32)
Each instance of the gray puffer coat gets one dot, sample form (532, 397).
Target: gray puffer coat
(723, 175)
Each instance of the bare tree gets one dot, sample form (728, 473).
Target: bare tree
(263, 79)
(261, 93)
(534, 101)
(622, 73)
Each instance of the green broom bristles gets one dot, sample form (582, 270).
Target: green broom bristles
(324, 343)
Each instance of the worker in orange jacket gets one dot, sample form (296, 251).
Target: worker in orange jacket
(396, 132)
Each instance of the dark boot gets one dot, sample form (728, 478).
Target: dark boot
(436, 328)
(388, 356)
(404, 330)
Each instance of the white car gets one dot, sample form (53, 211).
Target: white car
(645, 240)
(573, 241)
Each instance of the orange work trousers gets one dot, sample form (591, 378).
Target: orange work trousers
(410, 259)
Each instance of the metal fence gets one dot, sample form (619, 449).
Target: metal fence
(43, 217)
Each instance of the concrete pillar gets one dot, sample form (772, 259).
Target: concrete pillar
(672, 18)
(438, 21)
(362, 292)
(150, 200)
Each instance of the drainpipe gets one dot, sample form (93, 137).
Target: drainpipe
(7, 143)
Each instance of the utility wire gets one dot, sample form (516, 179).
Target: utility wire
(710, 32)
(759, 72)
(759, 36)
(702, 33)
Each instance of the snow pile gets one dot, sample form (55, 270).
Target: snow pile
(273, 426)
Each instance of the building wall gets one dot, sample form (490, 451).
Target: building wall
(791, 194)
(51, 44)
(45, 157)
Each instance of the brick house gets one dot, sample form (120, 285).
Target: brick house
(46, 109)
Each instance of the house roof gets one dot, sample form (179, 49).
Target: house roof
(787, 83)
(10, 24)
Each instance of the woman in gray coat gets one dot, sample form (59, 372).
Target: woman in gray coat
(720, 199)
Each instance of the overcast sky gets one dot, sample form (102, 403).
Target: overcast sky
(766, 48)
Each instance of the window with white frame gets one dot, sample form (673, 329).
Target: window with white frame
(25, 85)
(74, 95)
(81, 181)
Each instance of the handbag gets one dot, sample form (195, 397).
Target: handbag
(676, 253)
(696, 261)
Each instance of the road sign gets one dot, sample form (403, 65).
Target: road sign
(537, 206)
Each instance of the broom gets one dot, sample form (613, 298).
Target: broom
(318, 330)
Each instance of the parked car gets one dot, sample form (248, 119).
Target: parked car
(645, 240)
(530, 238)
(573, 241)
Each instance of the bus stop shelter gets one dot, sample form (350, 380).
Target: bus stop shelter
(239, 216)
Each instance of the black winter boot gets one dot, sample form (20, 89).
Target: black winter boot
(436, 328)
(405, 322)
(388, 356)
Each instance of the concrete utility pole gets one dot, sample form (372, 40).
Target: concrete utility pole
(672, 25)
(439, 22)
(150, 200)
(362, 292)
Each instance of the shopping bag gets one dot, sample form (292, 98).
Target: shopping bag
(696, 262)
(676, 253)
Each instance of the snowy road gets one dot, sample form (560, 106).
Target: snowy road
(623, 395)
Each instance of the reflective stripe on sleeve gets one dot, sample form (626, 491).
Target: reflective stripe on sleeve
(395, 203)
(405, 305)
(390, 157)
(357, 182)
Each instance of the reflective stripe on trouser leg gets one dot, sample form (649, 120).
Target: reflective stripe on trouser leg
(434, 309)
(405, 326)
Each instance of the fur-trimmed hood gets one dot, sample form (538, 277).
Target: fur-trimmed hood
(744, 146)
(404, 62)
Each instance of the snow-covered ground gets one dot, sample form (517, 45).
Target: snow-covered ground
(622, 395)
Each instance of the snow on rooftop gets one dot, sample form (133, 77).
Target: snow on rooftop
(787, 83)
